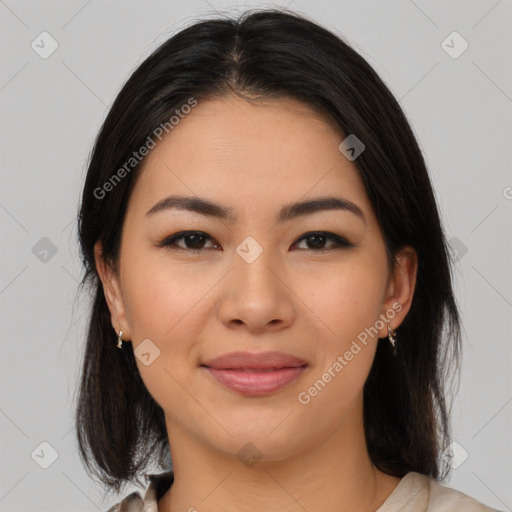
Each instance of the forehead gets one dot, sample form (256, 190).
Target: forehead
(250, 156)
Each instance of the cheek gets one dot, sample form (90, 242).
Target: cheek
(158, 296)
(347, 300)
(162, 303)
(345, 297)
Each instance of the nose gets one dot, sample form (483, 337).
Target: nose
(256, 296)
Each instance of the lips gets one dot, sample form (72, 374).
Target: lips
(255, 374)
(259, 361)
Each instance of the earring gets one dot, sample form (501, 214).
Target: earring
(392, 338)
(120, 340)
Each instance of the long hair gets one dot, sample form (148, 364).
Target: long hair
(272, 54)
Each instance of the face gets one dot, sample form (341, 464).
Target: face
(255, 275)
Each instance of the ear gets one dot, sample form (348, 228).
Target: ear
(400, 289)
(112, 292)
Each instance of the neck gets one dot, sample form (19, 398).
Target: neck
(333, 475)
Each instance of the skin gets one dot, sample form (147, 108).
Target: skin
(295, 298)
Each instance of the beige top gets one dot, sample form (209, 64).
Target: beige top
(414, 493)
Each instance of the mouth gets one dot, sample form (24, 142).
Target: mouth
(255, 374)
(253, 370)
(256, 381)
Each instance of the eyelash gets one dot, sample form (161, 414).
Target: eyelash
(170, 242)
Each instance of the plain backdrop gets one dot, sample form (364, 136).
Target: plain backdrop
(459, 103)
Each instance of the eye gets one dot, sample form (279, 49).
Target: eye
(195, 241)
(317, 240)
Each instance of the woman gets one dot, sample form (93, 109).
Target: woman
(273, 304)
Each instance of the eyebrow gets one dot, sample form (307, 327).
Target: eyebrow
(288, 212)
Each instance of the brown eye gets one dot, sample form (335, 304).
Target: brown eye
(192, 240)
(317, 240)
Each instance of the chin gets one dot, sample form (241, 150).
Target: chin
(260, 439)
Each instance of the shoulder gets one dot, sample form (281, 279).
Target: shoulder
(444, 498)
(420, 493)
(135, 502)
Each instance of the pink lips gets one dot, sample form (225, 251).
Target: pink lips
(255, 374)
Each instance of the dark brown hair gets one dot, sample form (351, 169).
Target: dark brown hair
(273, 54)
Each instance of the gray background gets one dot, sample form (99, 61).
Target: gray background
(51, 109)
